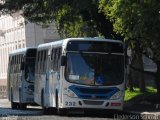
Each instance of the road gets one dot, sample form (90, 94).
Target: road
(35, 113)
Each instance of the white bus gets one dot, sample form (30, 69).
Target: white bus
(80, 73)
(20, 78)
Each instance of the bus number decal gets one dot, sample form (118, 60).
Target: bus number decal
(70, 103)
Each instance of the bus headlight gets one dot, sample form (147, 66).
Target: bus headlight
(70, 93)
(117, 95)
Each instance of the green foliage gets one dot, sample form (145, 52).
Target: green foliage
(132, 94)
(71, 23)
(136, 20)
(74, 18)
(129, 95)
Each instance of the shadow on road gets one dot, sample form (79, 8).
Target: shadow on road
(5, 112)
(16, 112)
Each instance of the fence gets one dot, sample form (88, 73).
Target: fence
(3, 92)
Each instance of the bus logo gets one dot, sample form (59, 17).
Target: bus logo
(93, 96)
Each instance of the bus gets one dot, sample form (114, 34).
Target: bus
(20, 77)
(80, 73)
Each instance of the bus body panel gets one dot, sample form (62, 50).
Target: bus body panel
(54, 85)
(39, 87)
(20, 91)
(92, 102)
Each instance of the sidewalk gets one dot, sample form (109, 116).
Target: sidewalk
(148, 108)
(4, 103)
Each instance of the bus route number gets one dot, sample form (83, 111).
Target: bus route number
(70, 103)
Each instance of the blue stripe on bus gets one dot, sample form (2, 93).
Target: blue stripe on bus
(93, 92)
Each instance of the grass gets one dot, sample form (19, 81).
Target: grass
(133, 94)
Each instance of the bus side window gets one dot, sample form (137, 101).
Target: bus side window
(20, 60)
(36, 64)
(45, 60)
(52, 59)
(18, 63)
(41, 61)
(59, 59)
(11, 64)
(14, 64)
(22, 66)
(55, 61)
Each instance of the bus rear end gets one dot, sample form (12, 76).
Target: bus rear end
(29, 76)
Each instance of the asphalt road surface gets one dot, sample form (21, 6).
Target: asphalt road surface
(35, 113)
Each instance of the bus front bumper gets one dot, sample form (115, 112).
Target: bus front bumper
(70, 102)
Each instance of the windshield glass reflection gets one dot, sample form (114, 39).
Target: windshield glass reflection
(30, 70)
(95, 69)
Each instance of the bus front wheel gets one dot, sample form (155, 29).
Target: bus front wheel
(60, 111)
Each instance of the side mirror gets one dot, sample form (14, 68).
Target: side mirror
(63, 60)
(22, 66)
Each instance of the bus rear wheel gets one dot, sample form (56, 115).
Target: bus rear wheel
(45, 110)
(14, 105)
(23, 106)
(61, 111)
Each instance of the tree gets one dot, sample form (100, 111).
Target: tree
(140, 20)
(73, 18)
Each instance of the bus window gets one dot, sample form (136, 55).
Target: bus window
(55, 60)
(38, 62)
(52, 59)
(41, 61)
(30, 69)
(14, 60)
(45, 61)
(59, 58)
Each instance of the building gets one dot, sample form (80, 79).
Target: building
(16, 32)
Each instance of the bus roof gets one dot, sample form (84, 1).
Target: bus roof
(92, 39)
(20, 51)
(50, 44)
(64, 42)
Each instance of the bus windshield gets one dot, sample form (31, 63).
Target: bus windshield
(94, 68)
(29, 69)
(30, 65)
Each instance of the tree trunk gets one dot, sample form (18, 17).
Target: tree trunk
(157, 80)
(141, 75)
(139, 58)
(130, 81)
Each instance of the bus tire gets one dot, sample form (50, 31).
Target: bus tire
(60, 111)
(45, 110)
(22, 106)
(13, 104)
